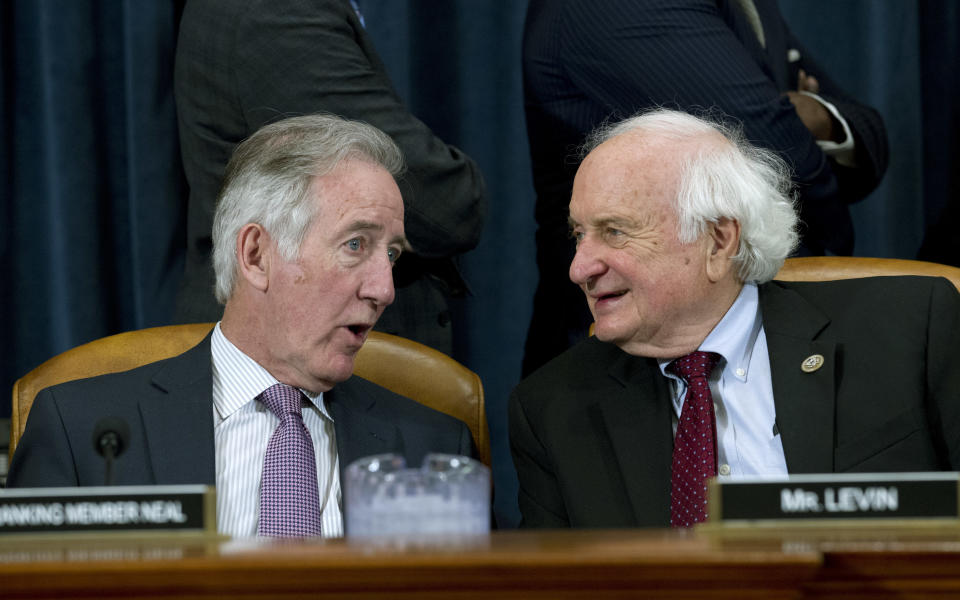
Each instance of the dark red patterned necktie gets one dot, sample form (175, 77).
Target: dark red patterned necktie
(694, 447)
(289, 498)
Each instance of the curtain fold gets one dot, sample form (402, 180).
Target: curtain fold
(93, 192)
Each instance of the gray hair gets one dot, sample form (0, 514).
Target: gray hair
(735, 180)
(269, 175)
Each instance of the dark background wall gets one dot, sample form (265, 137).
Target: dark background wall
(93, 195)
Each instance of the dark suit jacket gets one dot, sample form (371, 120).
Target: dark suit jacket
(168, 407)
(591, 432)
(587, 62)
(244, 63)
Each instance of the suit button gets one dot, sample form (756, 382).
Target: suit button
(443, 318)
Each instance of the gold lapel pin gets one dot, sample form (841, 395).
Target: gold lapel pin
(811, 363)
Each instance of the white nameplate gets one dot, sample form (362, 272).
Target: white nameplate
(114, 508)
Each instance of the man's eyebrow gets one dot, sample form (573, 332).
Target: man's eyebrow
(359, 226)
(600, 222)
(615, 221)
(401, 241)
(364, 226)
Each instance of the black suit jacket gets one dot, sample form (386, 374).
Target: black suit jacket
(168, 407)
(588, 62)
(244, 63)
(591, 432)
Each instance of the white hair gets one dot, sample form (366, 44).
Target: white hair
(734, 180)
(269, 175)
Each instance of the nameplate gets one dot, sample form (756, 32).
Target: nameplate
(184, 508)
(832, 497)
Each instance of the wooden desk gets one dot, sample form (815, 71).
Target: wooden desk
(511, 564)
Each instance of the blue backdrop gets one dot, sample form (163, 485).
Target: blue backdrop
(93, 195)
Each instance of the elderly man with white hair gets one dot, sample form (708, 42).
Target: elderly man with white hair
(701, 365)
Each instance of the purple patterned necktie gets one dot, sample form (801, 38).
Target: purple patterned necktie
(694, 447)
(289, 499)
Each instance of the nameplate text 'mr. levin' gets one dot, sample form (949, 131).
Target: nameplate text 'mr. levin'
(834, 497)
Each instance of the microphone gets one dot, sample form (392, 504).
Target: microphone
(111, 436)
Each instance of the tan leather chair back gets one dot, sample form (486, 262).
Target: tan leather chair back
(828, 268)
(403, 366)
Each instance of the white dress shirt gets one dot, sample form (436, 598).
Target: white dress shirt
(747, 441)
(241, 429)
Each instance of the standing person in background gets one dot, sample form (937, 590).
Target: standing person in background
(585, 63)
(241, 65)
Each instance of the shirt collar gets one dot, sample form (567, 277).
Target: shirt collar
(734, 336)
(238, 379)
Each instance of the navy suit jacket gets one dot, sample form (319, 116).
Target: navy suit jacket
(585, 62)
(243, 64)
(168, 406)
(591, 432)
(588, 62)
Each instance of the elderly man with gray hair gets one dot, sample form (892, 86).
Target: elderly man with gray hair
(701, 365)
(307, 228)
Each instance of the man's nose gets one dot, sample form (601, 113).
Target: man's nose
(378, 283)
(586, 264)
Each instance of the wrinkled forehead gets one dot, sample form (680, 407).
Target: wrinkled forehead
(356, 183)
(645, 165)
(634, 175)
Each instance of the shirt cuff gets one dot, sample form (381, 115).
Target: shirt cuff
(842, 152)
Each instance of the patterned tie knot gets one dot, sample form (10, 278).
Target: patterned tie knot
(694, 365)
(282, 400)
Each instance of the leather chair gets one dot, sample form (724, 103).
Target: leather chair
(827, 268)
(403, 366)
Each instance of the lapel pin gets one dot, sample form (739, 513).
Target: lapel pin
(811, 363)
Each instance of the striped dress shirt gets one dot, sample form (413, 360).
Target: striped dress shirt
(241, 429)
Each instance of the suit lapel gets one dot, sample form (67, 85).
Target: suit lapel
(359, 432)
(178, 419)
(635, 411)
(805, 401)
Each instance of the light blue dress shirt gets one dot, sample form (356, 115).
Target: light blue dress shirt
(748, 444)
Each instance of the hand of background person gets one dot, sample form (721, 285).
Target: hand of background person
(807, 83)
(814, 114)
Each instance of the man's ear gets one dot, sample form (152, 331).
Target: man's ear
(724, 243)
(254, 254)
